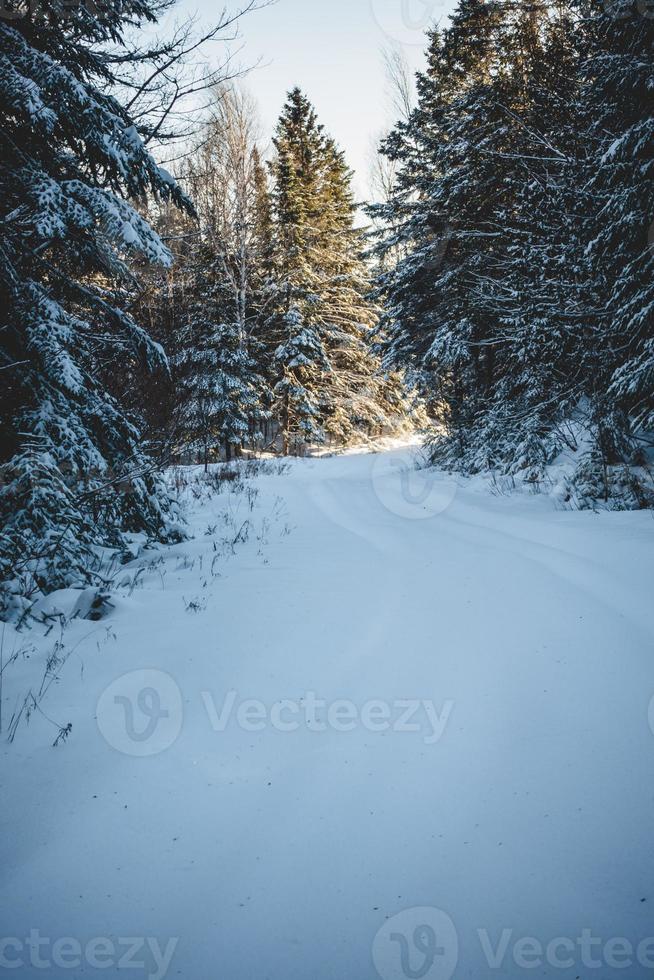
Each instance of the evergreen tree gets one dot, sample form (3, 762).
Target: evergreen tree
(216, 384)
(71, 158)
(520, 299)
(540, 270)
(330, 383)
(356, 401)
(207, 310)
(300, 357)
(619, 357)
(444, 212)
(227, 182)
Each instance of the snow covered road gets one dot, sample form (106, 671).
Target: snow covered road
(398, 698)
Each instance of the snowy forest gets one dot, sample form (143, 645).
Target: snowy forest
(498, 298)
(326, 495)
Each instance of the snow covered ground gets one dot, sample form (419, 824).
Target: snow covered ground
(367, 723)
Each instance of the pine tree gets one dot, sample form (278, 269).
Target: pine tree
(540, 271)
(330, 383)
(486, 304)
(208, 310)
(357, 398)
(301, 361)
(619, 361)
(449, 190)
(522, 299)
(227, 182)
(216, 384)
(71, 159)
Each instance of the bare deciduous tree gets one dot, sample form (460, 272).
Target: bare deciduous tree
(223, 175)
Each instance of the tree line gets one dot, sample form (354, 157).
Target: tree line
(515, 243)
(267, 314)
(503, 298)
(255, 333)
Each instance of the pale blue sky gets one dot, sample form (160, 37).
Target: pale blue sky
(332, 50)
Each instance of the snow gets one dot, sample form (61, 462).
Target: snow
(129, 235)
(166, 177)
(257, 840)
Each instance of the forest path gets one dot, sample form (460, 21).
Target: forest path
(449, 719)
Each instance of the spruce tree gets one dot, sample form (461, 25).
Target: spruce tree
(71, 159)
(207, 311)
(619, 361)
(540, 270)
(300, 357)
(330, 383)
(356, 396)
(521, 216)
(449, 189)
(217, 389)
(487, 305)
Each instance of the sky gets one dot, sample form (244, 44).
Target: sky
(332, 49)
